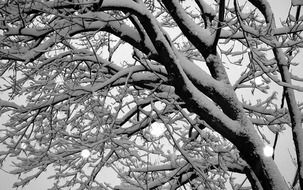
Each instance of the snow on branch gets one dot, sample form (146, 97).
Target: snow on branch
(8, 104)
(200, 37)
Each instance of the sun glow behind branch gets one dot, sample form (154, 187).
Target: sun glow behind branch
(268, 151)
(157, 129)
(85, 153)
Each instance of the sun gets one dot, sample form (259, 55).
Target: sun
(268, 151)
(259, 81)
(59, 80)
(85, 153)
(23, 145)
(157, 129)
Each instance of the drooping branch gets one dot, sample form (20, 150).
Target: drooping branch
(109, 107)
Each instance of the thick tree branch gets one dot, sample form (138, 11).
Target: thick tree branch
(104, 106)
(283, 65)
(202, 39)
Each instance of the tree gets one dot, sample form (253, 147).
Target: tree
(63, 57)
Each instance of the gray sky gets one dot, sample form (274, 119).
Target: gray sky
(281, 8)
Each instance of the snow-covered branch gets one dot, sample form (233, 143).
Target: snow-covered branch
(99, 84)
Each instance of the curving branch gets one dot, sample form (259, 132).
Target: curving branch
(64, 58)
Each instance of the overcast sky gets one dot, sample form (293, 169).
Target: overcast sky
(281, 8)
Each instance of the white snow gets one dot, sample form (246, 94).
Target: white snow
(61, 115)
(95, 95)
(205, 35)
